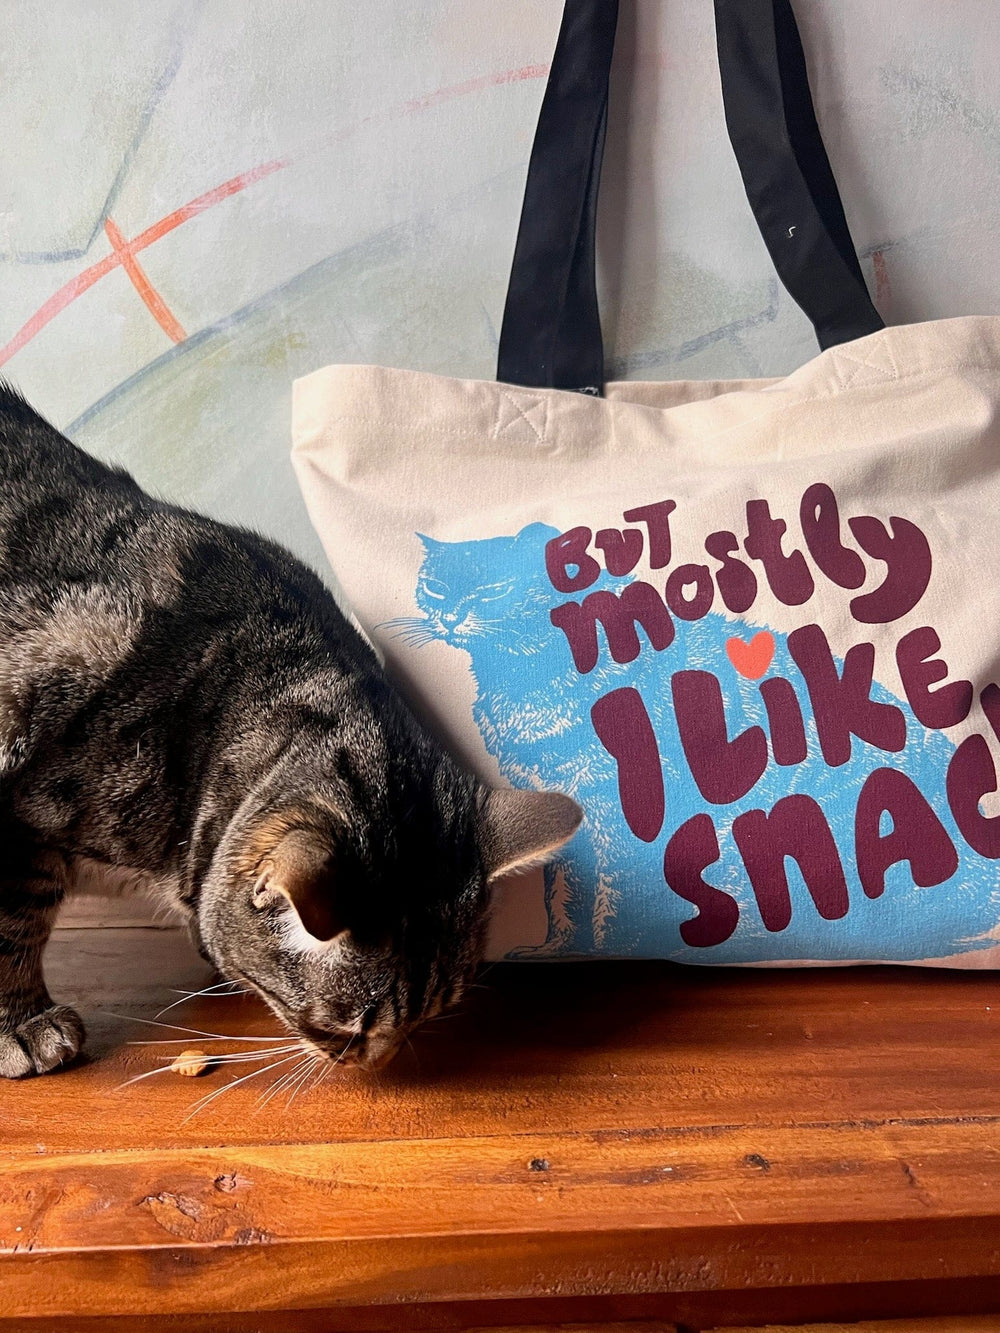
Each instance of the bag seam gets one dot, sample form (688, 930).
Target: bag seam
(499, 430)
(389, 424)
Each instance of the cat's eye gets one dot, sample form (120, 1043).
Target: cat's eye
(493, 591)
(435, 588)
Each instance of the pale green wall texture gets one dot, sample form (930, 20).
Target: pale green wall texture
(202, 199)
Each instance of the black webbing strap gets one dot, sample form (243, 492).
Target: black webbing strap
(551, 333)
(786, 172)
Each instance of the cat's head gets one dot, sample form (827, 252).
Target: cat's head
(490, 595)
(355, 924)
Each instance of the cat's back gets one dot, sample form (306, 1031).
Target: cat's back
(82, 541)
(55, 500)
(36, 456)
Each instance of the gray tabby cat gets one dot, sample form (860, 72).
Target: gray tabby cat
(184, 701)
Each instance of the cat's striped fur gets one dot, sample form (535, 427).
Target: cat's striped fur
(184, 701)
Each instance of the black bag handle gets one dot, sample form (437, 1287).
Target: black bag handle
(786, 172)
(551, 333)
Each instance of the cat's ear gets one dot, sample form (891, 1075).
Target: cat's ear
(301, 868)
(536, 533)
(519, 829)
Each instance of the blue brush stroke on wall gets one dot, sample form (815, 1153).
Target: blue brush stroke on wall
(491, 599)
(178, 46)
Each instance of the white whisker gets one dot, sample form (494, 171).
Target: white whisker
(323, 1073)
(214, 991)
(234, 1083)
(325, 1068)
(243, 1057)
(240, 1057)
(301, 1080)
(205, 990)
(343, 1052)
(184, 1041)
(139, 1077)
(176, 1027)
(279, 1083)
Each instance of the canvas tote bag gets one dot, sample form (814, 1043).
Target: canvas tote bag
(752, 627)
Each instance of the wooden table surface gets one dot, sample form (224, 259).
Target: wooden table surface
(582, 1142)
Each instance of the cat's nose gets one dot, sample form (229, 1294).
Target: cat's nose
(378, 1050)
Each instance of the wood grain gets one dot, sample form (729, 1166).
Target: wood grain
(84, 912)
(959, 1324)
(316, 1322)
(578, 1132)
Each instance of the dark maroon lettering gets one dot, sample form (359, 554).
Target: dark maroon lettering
(989, 698)
(691, 850)
(919, 669)
(842, 704)
(684, 576)
(657, 520)
(788, 575)
(724, 769)
(971, 776)
(619, 613)
(795, 827)
(737, 581)
(784, 721)
(917, 835)
(907, 557)
(570, 550)
(622, 549)
(820, 520)
(624, 729)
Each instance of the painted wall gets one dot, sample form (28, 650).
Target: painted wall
(201, 199)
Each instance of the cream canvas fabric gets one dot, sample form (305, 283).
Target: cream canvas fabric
(752, 627)
(437, 497)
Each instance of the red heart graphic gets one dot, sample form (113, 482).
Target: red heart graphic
(751, 659)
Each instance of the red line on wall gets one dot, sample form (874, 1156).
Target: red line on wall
(476, 85)
(57, 302)
(78, 285)
(69, 292)
(158, 308)
(207, 201)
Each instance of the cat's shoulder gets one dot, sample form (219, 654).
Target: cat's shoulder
(36, 456)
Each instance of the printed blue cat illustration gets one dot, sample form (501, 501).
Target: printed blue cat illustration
(491, 598)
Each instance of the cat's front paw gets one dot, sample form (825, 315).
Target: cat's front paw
(41, 1043)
